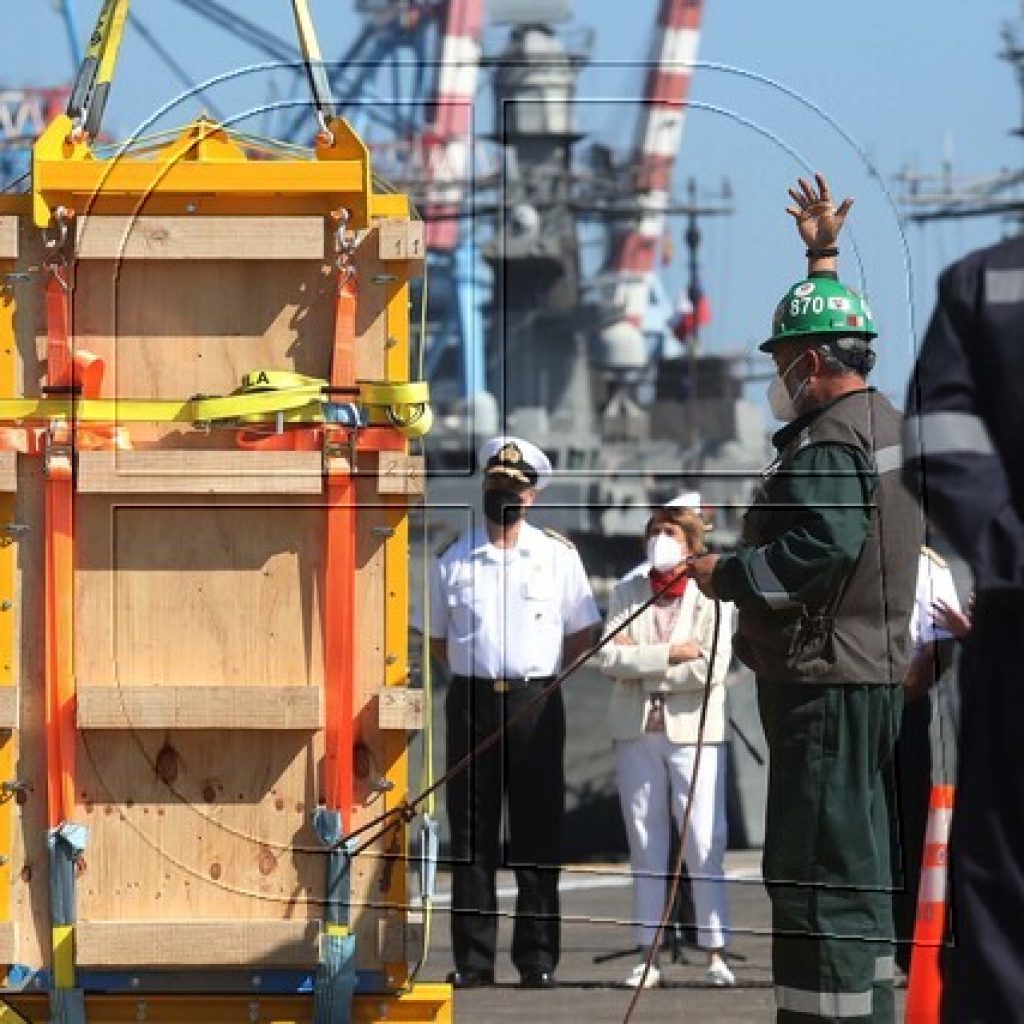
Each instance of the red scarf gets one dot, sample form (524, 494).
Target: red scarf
(675, 589)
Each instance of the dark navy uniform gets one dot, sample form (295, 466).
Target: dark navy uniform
(964, 458)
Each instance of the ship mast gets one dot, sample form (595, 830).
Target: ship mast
(945, 196)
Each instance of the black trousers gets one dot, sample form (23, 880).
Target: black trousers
(525, 773)
(984, 965)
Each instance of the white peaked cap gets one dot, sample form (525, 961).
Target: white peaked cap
(515, 449)
(688, 499)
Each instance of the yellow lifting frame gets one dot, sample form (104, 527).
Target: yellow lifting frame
(426, 1004)
(203, 171)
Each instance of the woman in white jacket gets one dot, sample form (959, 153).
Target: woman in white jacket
(660, 664)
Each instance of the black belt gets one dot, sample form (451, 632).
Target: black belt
(504, 684)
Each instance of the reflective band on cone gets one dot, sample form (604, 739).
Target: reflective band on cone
(924, 986)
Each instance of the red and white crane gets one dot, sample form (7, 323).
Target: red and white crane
(448, 140)
(659, 132)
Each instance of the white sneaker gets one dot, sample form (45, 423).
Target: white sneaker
(636, 977)
(719, 975)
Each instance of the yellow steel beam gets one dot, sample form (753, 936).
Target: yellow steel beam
(396, 597)
(8, 559)
(202, 167)
(8, 1015)
(425, 1004)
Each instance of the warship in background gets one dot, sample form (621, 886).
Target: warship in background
(628, 414)
(588, 363)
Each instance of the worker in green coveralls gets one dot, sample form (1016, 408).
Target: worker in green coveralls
(823, 580)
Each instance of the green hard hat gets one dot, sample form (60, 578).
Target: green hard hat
(820, 305)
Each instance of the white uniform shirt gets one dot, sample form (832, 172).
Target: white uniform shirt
(505, 611)
(934, 583)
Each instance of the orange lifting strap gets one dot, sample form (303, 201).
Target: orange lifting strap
(340, 571)
(60, 570)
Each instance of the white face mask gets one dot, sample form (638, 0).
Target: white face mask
(780, 401)
(664, 552)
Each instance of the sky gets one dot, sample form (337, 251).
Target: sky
(859, 91)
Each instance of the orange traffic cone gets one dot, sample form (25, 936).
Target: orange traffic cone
(924, 986)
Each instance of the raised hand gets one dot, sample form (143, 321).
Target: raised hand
(818, 220)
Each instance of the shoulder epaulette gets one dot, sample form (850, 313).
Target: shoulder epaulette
(555, 535)
(934, 556)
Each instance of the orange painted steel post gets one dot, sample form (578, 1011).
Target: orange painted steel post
(924, 986)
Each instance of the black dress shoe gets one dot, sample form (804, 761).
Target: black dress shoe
(536, 979)
(470, 979)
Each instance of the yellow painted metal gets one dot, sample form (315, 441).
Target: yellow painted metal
(389, 204)
(199, 170)
(424, 1004)
(112, 44)
(8, 1015)
(64, 955)
(396, 601)
(8, 559)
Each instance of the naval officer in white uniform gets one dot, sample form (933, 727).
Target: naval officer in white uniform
(510, 605)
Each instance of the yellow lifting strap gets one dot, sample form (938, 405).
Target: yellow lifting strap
(405, 406)
(264, 396)
(92, 83)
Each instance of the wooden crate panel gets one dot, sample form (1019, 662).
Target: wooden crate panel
(8, 942)
(197, 943)
(200, 707)
(172, 329)
(8, 472)
(200, 238)
(8, 238)
(197, 472)
(207, 590)
(9, 699)
(187, 826)
(204, 595)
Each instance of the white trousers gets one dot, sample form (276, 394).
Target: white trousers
(652, 770)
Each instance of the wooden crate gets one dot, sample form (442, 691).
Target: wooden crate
(199, 606)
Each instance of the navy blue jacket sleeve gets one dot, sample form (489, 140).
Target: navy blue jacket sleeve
(951, 460)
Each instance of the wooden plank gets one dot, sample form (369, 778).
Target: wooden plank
(400, 708)
(197, 471)
(8, 942)
(197, 943)
(391, 937)
(199, 707)
(201, 238)
(398, 473)
(401, 240)
(8, 238)
(8, 472)
(9, 697)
